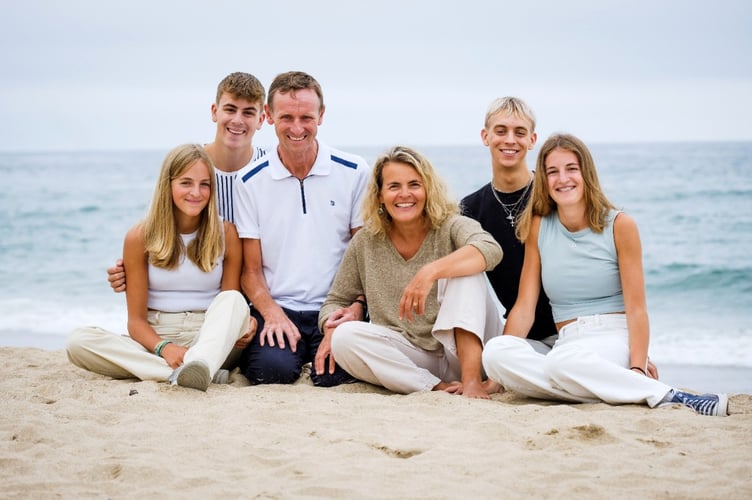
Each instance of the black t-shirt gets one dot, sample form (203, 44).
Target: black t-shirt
(505, 278)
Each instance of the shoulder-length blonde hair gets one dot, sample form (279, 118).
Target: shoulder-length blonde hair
(162, 239)
(597, 205)
(439, 204)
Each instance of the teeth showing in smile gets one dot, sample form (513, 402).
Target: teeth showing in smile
(297, 139)
(236, 131)
(509, 151)
(404, 205)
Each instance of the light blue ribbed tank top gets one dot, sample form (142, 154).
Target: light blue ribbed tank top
(579, 271)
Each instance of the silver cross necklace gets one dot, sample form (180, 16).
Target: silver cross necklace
(513, 209)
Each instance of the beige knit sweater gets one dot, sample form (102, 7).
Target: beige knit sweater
(372, 267)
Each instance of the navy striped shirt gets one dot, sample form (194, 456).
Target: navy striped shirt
(225, 186)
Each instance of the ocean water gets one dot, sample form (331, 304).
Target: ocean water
(64, 216)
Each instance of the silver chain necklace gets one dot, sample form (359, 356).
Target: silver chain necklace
(512, 209)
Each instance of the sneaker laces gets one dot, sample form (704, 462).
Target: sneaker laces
(704, 404)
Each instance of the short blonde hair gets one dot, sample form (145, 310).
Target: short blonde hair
(513, 106)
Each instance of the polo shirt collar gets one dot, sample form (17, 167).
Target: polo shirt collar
(322, 165)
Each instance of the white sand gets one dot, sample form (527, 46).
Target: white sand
(69, 433)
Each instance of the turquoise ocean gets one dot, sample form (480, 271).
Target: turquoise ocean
(64, 216)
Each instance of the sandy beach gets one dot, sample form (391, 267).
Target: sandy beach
(68, 433)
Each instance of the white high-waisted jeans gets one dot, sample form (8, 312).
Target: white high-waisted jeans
(588, 363)
(208, 335)
(381, 356)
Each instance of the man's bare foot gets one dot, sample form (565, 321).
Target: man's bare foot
(492, 387)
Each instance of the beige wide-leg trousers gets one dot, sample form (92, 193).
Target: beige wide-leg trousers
(209, 336)
(384, 357)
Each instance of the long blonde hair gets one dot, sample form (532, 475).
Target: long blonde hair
(597, 205)
(162, 239)
(439, 204)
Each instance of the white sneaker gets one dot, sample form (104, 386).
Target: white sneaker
(194, 375)
(221, 377)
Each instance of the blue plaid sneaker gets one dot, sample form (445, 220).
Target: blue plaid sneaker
(715, 405)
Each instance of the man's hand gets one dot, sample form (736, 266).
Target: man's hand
(324, 350)
(116, 276)
(354, 312)
(277, 326)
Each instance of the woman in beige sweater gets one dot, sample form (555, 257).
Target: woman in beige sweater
(420, 266)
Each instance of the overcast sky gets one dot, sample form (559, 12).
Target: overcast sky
(142, 74)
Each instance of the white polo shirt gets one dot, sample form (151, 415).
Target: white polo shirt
(304, 226)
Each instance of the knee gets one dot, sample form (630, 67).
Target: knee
(76, 343)
(500, 352)
(229, 298)
(73, 340)
(272, 365)
(233, 296)
(559, 362)
(491, 354)
(345, 338)
(462, 286)
(501, 346)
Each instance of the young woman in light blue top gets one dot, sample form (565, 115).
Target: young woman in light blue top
(587, 256)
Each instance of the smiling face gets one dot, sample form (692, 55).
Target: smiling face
(564, 177)
(402, 193)
(237, 120)
(508, 137)
(296, 116)
(191, 190)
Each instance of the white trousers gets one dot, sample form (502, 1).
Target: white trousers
(384, 357)
(588, 363)
(209, 336)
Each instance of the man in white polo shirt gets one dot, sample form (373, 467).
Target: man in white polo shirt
(296, 210)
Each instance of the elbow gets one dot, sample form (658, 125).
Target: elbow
(493, 257)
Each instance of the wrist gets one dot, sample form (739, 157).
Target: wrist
(641, 370)
(364, 305)
(160, 347)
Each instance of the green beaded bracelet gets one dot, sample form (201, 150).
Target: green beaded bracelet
(160, 346)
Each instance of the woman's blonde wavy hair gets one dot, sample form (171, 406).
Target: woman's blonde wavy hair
(162, 239)
(439, 204)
